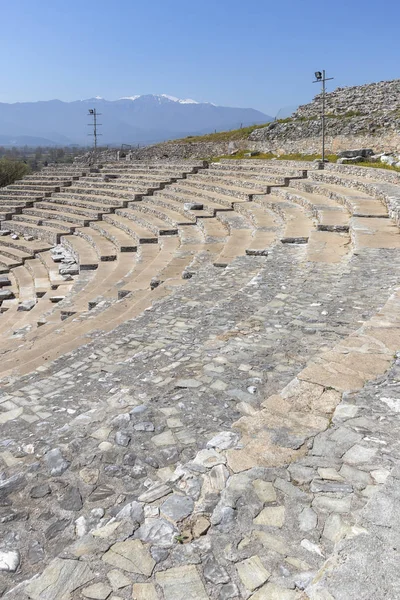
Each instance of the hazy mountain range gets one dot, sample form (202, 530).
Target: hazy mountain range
(130, 120)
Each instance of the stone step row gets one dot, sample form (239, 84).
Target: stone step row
(242, 225)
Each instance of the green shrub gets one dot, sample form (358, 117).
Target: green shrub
(11, 170)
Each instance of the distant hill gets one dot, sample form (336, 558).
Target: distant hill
(25, 140)
(131, 120)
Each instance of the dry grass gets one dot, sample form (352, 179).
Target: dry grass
(220, 136)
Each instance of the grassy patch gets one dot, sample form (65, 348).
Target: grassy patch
(332, 158)
(241, 155)
(307, 157)
(378, 165)
(269, 155)
(221, 136)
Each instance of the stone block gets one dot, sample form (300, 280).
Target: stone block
(182, 583)
(363, 152)
(252, 572)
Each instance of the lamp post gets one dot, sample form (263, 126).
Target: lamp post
(93, 113)
(321, 78)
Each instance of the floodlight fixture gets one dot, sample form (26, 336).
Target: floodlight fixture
(320, 77)
(93, 113)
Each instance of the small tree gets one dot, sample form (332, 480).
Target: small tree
(11, 170)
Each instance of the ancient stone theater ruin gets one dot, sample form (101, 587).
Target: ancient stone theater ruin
(200, 382)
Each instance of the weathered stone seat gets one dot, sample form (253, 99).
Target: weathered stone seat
(356, 202)
(89, 210)
(184, 196)
(103, 247)
(71, 195)
(175, 218)
(121, 240)
(59, 217)
(82, 251)
(298, 223)
(330, 214)
(147, 221)
(137, 232)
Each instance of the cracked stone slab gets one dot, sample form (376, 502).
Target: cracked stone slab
(131, 556)
(144, 591)
(252, 572)
(273, 516)
(182, 583)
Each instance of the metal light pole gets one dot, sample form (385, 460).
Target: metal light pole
(321, 78)
(93, 113)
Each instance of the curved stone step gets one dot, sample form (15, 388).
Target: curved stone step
(71, 209)
(104, 248)
(71, 220)
(25, 283)
(82, 204)
(72, 194)
(196, 182)
(356, 202)
(298, 224)
(184, 197)
(121, 240)
(172, 204)
(193, 194)
(40, 275)
(148, 221)
(168, 215)
(238, 242)
(374, 233)
(135, 230)
(16, 254)
(331, 215)
(83, 253)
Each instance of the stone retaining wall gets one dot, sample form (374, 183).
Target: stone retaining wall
(168, 151)
(389, 142)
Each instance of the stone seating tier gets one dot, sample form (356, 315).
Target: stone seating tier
(191, 412)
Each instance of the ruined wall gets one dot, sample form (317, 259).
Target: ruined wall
(359, 116)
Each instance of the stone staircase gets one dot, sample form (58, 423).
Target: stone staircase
(194, 413)
(230, 209)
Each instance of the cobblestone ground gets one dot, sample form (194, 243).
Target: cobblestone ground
(123, 476)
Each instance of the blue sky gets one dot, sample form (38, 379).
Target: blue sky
(258, 54)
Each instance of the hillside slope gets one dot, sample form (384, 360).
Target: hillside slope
(366, 115)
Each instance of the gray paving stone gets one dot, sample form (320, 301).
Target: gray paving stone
(55, 462)
(157, 531)
(72, 500)
(308, 519)
(176, 507)
(359, 454)
(214, 572)
(329, 504)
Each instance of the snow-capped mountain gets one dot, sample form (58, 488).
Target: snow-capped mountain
(133, 119)
(161, 96)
